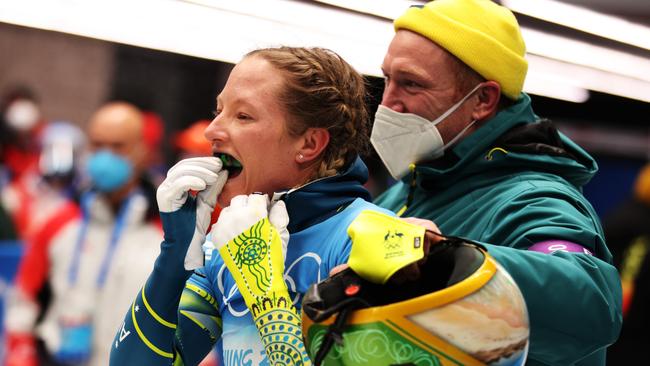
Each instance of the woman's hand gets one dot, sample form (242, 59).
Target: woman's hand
(185, 218)
(252, 240)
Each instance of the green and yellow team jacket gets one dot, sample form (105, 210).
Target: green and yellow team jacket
(515, 185)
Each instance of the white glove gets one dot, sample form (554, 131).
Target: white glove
(243, 212)
(202, 174)
(253, 247)
(279, 217)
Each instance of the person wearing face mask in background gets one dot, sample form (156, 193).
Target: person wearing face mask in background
(55, 203)
(21, 126)
(457, 132)
(99, 255)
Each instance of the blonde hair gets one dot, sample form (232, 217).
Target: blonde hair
(323, 91)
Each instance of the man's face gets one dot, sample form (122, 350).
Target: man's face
(118, 128)
(420, 79)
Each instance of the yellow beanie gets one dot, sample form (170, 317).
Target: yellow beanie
(482, 34)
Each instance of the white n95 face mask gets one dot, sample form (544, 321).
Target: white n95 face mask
(402, 139)
(22, 115)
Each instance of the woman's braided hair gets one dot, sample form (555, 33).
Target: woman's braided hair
(322, 90)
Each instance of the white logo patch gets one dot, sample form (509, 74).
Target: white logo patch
(123, 333)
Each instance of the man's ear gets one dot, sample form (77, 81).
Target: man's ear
(488, 101)
(311, 144)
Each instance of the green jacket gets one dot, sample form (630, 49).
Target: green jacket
(512, 183)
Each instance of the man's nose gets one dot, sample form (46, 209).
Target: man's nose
(391, 99)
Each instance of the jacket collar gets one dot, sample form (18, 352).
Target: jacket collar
(95, 208)
(323, 198)
(469, 148)
(468, 157)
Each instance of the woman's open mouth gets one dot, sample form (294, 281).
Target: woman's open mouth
(232, 165)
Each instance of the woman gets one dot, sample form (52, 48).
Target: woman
(290, 124)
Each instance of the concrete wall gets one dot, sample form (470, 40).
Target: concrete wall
(71, 75)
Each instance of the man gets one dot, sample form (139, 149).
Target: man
(472, 156)
(21, 127)
(95, 259)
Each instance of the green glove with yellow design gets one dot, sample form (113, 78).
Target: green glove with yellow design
(252, 240)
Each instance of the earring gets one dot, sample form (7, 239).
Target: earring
(300, 157)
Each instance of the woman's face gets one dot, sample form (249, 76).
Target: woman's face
(250, 126)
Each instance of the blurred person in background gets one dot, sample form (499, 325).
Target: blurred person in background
(53, 205)
(191, 142)
(62, 145)
(462, 139)
(20, 129)
(153, 132)
(7, 229)
(627, 230)
(94, 258)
